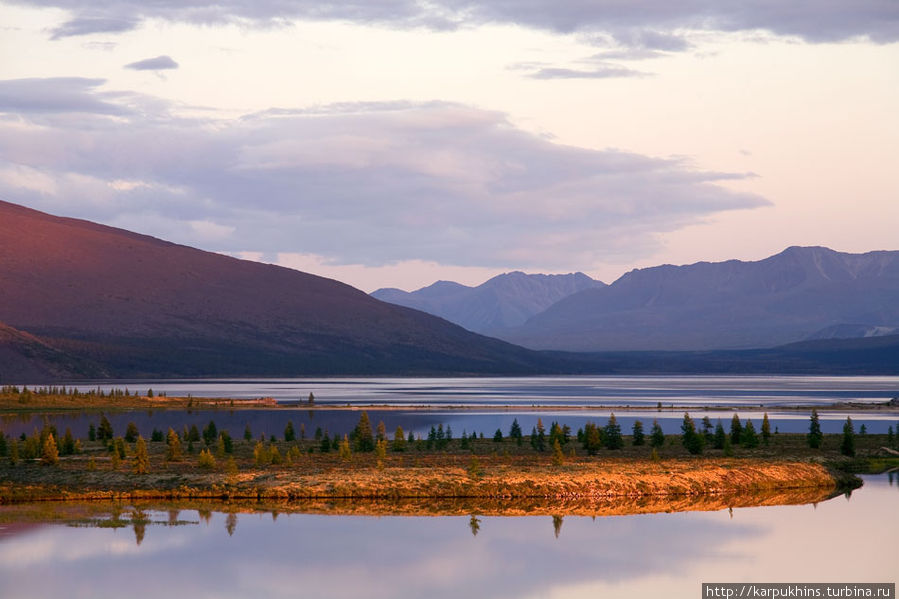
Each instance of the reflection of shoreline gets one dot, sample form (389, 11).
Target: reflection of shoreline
(138, 514)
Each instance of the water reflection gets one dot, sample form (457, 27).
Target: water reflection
(240, 551)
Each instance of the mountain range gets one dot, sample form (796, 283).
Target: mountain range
(78, 299)
(505, 301)
(82, 300)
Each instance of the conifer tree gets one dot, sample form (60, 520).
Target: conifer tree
(381, 431)
(173, 449)
(131, 433)
(344, 450)
(91, 432)
(639, 437)
(814, 436)
(325, 446)
(363, 440)
(13, 452)
(766, 429)
(515, 431)
(289, 434)
(736, 430)
(691, 440)
(210, 433)
(247, 433)
(540, 440)
(656, 436)
(498, 436)
(104, 431)
(3, 444)
(67, 446)
(847, 444)
(720, 435)
(707, 429)
(558, 456)
(399, 439)
(749, 439)
(206, 460)
(612, 434)
(49, 452)
(592, 438)
(141, 457)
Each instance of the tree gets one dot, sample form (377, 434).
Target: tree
(515, 431)
(344, 450)
(612, 434)
(247, 433)
(399, 439)
(3, 445)
(325, 446)
(720, 436)
(173, 449)
(639, 438)
(206, 460)
(210, 433)
(261, 454)
(49, 452)
(104, 431)
(540, 441)
(227, 443)
(67, 445)
(815, 436)
(498, 436)
(656, 436)
(381, 431)
(766, 429)
(194, 434)
(847, 444)
(289, 435)
(692, 440)
(558, 456)
(141, 457)
(131, 433)
(91, 432)
(311, 398)
(749, 439)
(736, 430)
(363, 440)
(156, 436)
(707, 429)
(592, 438)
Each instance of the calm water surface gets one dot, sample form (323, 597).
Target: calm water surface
(299, 555)
(487, 402)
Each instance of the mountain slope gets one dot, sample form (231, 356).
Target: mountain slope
(138, 306)
(504, 301)
(782, 299)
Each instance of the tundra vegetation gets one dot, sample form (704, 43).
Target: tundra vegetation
(597, 459)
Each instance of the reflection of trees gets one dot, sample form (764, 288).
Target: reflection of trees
(139, 520)
(231, 522)
(173, 517)
(474, 524)
(205, 515)
(557, 525)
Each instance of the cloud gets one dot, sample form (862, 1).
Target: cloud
(56, 95)
(84, 25)
(153, 64)
(370, 184)
(811, 20)
(606, 72)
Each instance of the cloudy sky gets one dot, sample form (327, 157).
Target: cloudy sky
(397, 142)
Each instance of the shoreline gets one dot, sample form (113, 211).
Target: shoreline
(590, 480)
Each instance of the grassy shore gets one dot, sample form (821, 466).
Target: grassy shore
(487, 471)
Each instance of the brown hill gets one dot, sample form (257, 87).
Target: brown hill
(137, 306)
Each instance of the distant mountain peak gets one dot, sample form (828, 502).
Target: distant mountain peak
(505, 300)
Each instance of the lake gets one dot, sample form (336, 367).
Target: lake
(487, 401)
(221, 553)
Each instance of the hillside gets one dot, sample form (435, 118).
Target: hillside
(789, 297)
(130, 305)
(507, 300)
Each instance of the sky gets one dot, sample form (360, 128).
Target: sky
(393, 143)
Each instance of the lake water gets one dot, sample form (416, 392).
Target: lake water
(487, 400)
(221, 554)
